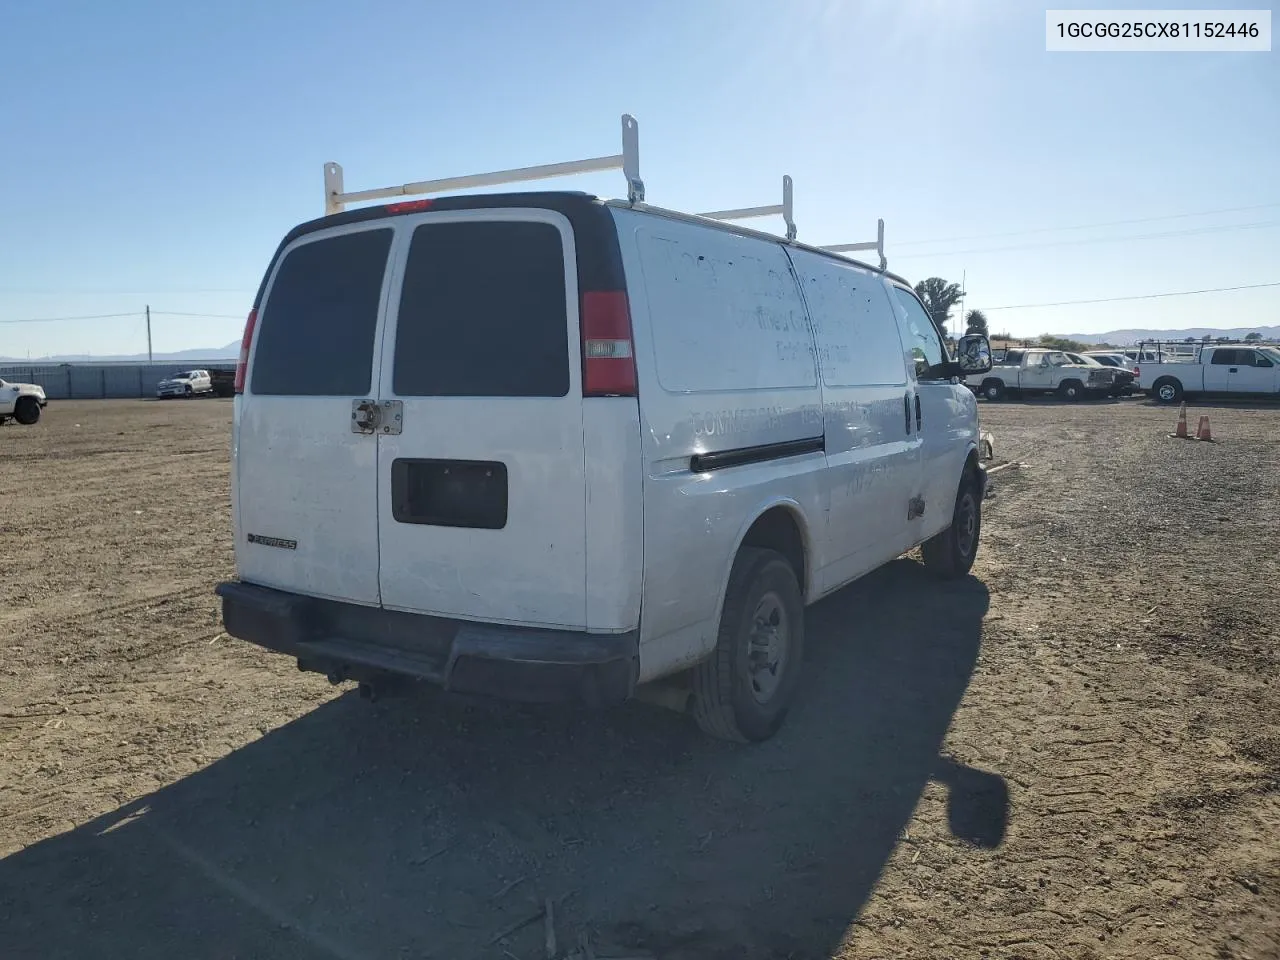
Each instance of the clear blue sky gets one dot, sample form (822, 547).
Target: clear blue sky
(155, 152)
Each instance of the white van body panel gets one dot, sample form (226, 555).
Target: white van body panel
(724, 360)
(614, 512)
(306, 485)
(532, 571)
(946, 421)
(873, 451)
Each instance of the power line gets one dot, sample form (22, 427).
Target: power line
(1195, 231)
(96, 316)
(1144, 296)
(117, 292)
(137, 313)
(205, 316)
(1087, 226)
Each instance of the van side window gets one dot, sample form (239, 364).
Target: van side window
(919, 335)
(483, 312)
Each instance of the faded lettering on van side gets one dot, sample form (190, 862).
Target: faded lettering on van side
(722, 423)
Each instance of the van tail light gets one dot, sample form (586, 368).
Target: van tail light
(1135, 370)
(608, 352)
(242, 365)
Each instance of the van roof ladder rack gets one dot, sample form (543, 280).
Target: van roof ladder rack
(628, 161)
(877, 245)
(785, 209)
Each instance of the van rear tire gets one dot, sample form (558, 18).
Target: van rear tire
(742, 692)
(950, 554)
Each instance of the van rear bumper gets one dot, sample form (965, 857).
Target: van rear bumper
(346, 641)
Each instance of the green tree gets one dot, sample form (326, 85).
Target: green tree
(938, 298)
(1252, 337)
(1062, 343)
(975, 321)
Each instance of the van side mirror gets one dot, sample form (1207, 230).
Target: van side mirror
(973, 354)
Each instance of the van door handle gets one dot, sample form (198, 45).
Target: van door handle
(906, 412)
(1232, 370)
(917, 413)
(365, 415)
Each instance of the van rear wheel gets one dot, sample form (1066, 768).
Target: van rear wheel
(743, 690)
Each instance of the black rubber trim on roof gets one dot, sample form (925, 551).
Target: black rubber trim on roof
(599, 258)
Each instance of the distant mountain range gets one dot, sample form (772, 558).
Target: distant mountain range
(229, 353)
(1121, 337)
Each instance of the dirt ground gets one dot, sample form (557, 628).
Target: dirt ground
(1074, 753)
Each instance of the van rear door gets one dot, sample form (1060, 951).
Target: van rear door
(306, 481)
(481, 482)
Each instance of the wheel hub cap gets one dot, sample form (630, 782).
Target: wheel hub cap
(767, 647)
(967, 524)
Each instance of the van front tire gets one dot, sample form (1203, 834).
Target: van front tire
(951, 553)
(743, 690)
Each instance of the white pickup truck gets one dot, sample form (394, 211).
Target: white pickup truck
(21, 401)
(189, 383)
(1225, 371)
(1042, 371)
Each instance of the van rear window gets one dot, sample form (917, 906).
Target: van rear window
(483, 312)
(318, 324)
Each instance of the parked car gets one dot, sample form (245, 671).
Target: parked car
(1124, 377)
(601, 444)
(1228, 371)
(22, 402)
(1114, 359)
(1043, 371)
(189, 383)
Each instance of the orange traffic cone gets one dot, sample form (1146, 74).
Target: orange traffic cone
(1181, 431)
(1202, 431)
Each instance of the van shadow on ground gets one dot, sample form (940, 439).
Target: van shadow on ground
(401, 829)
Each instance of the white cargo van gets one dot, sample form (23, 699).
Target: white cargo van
(542, 446)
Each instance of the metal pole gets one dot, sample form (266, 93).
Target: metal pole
(149, 333)
(964, 275)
